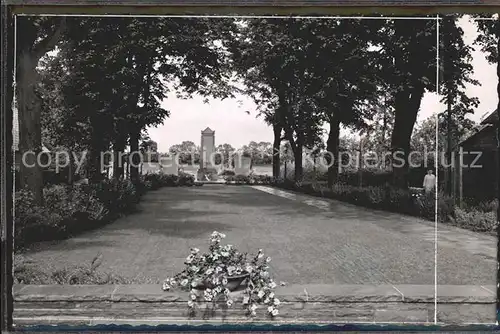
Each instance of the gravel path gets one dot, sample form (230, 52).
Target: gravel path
(311, 241)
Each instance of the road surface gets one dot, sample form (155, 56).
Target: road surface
(310, 240)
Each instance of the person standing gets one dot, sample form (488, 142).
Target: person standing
(429, 182)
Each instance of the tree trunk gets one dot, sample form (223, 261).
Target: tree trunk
(29, 51)
(30, 135)
(298, 162)
(276, 150)
(118, 148)
(134, 158)
(94, 166)
(407, 103)
(332, 147)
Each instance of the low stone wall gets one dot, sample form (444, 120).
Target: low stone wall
(149, 305)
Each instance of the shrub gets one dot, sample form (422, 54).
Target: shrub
(486, 206)
(185, 179)
(210, 277)
(169, 180)
(28, 272)
(33, 221)
(153, 181)
(475, 220)
(65, 210)
(446, 207)
(400, 200)
(237, 179)
(228, 173)
(118, 196)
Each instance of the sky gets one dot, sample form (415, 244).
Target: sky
(231, 123)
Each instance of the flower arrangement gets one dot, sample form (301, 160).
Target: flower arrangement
(212, 276)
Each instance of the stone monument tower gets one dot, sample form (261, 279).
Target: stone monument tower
(207, 167)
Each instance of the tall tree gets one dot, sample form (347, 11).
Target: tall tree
(345, 70)
(457, 71)
(35, 37)
(119, 83)
(227, 151)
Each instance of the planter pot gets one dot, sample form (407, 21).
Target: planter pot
(234, 283)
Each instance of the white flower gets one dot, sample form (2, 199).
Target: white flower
(195, 269)
(208, 295)
(193, 297)
(224, 281)
(260, 254)
(194, 250)
(271, 295)
(246, 300)
(224, 254)
(275, 312)
(230, 270)
(165, 286)
(248, 268)
(268, 259)
(190, 303)
(189, 259)
(276, 301)
(266, 301)
(253, 307)
(227, 292)
(272, 285)
(218, 269)
(282, 283)
(209, 271)
(270, 309)
(261, 294)
(229, 303)
(184, 282)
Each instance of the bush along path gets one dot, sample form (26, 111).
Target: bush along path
(71, 209)
(406, 201)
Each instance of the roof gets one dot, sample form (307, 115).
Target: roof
(487, 122)
(491, 118)
(208, 130)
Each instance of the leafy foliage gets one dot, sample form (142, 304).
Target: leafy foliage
(211, 276)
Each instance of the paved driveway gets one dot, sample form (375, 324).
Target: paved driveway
(310, 240)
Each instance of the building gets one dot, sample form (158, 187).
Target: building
(475, 179)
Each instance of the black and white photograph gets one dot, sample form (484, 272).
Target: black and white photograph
(188, 170)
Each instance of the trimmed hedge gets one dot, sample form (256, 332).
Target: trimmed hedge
(251, 179)
(155, 181)
(481, 218)
(385, 198)
(69, 210)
